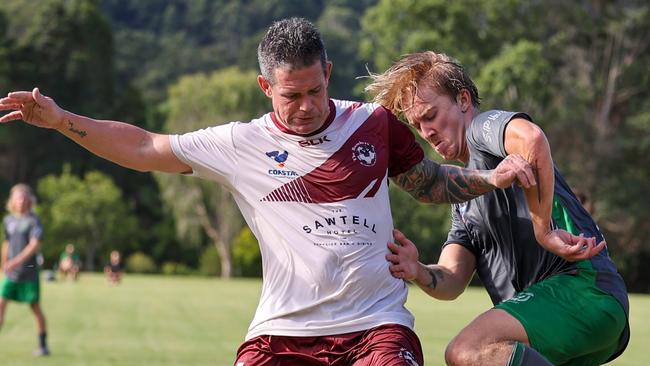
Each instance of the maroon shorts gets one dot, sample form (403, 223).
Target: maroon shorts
(386, 345)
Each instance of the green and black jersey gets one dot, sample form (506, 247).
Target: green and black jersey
(497, 227)
(19, 230)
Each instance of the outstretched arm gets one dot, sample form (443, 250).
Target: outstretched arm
(431, 182)
(524, 138)
(119, 142)
(445, 280)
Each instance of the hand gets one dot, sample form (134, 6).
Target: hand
(570, 247)
(404, 258)
(33, 108)
(513, 168)
(9, 266)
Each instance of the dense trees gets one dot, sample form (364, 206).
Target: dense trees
(88, 212)
(202, 207)
(580, 68)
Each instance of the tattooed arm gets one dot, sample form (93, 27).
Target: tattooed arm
(431, 182)
(524, 138)
(445, 280)
(121, 143)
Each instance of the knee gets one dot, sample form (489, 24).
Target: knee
(460, 352)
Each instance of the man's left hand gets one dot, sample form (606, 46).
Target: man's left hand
(570, 247)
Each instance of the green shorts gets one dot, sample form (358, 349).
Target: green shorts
(28, 291)
(567, 315)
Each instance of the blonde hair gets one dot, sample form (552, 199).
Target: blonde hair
(396, 87)
(16, 188)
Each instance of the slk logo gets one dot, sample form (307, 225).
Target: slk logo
(314, 142)
(364, 153)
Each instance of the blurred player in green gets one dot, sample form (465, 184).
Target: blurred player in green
(23, 232)
(69, 262)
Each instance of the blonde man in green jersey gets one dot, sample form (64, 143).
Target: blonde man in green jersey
(555, 301)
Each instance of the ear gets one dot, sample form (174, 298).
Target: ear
(265, 85)
(328, 71)
(464, 100)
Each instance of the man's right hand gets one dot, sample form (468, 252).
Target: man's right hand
(403, 257)
(33, 108)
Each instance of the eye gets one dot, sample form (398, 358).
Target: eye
(291, 96)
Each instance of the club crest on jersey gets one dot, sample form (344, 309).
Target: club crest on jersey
(279, 158)
(364, 153)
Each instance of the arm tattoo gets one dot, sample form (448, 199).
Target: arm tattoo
(431, 182)
(71, 128)
(434, 279)
(539, 188)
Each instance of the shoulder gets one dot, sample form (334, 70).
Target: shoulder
(348, 109)
(486, 119)
(33, 218)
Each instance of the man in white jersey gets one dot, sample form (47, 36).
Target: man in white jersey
(311, 181)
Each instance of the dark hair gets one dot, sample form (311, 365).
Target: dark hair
(293, 43)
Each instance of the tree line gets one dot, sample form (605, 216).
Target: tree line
(579, 68)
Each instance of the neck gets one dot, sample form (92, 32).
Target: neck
(467, 121)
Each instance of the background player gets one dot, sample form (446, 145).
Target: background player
(23, 232)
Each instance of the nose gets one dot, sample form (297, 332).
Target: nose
(427, 131)
(306, 104)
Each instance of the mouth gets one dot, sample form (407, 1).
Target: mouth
(435, 144)
(304, 120)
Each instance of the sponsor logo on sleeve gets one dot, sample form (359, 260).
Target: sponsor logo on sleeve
(487, 125)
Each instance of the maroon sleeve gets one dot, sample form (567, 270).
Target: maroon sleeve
(405, 152)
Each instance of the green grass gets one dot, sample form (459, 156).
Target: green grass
(156, 320)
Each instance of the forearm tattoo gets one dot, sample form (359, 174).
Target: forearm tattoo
(431, 182)
(539, 187)
(434, 280)
(71, 128)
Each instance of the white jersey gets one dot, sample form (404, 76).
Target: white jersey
(319, 208)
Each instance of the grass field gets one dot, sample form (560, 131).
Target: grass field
(157, 320)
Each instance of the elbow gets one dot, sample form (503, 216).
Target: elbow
(142, 169)
(450, 296)
(537, 140)
(136, 165)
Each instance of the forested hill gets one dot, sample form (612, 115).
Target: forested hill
(159, 40)
(579, 68)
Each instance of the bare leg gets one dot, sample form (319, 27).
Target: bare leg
(3, 308)
(40, 318)
(487, 340)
